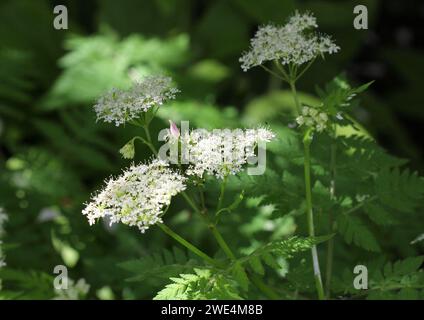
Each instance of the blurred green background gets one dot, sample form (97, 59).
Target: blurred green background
(53, 154)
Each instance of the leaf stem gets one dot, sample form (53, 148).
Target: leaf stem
(188, 245)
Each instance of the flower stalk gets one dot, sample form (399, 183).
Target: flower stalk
(188, 245)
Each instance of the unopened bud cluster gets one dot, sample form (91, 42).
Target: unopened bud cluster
(313, 118)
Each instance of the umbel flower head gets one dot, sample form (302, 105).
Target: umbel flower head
(293, 43)
(121, 106)
(222, 152)
(312, 118)
(137, 197)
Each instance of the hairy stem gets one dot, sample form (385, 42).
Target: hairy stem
(188, 245)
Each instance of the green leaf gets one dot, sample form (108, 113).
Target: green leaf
(202, 284)
(239, 274)
(399, 190)
(286, 248)
(256, 264)
(159, 266)
(355, 231)
(379, 215)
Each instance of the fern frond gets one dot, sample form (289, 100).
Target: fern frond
(399, 190)
(355, 231)
(202, 284)
(160, 265)
(269, 253)
(400, 280)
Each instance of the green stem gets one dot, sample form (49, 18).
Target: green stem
(296, 98)
(188, 245)
(310, 217)
(211, 226)
(332, 223)
(304, 69)
(221, 194)
(308, 189)
(263, 287)
(190, 202)
(221, 242)
(274, 73)
(149, 140)
(224, 246)
(282, 70)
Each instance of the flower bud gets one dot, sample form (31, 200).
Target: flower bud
(128, 150)
(173, 129)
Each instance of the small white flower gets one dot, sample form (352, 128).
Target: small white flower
(121, 106)
(138, 196)
(293, 43)
(222, 152)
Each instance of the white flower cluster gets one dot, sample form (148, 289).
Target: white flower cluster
(222, 152)
(120, 106)
(138, 196)
(312, 118)
(293, 43)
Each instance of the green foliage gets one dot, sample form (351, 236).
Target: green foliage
(399, 190)
(160, 266)
(269, 253)
(200, 285)
(53, 154)
(400, 280)
(26, 285)
(355, 231)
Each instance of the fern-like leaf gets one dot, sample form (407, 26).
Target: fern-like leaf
(202, 284)
(399, 190)
(355, 231)
(160, 265)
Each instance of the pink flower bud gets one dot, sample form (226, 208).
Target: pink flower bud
(175, 132)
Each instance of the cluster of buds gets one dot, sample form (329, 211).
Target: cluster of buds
(313, 118)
